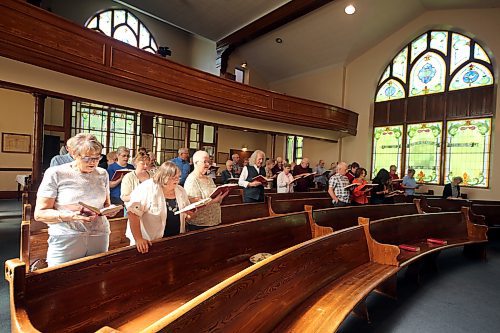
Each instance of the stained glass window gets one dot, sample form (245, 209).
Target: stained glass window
(428, 75)
(439, 41)
(294, 148)
(399, 65)
(387, 147)
(470, 76)
(480, 54)
(468, 151)
(423, 151)
(460, 51)
(123, 26)
(169, 136)
(392, 89)
(418, 46)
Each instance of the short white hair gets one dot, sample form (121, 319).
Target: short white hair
(84, 143)
(340, 165)
(199, 156)
(183, 150)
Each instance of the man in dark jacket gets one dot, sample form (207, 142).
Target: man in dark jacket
(452, 190)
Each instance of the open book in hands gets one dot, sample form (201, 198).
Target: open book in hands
(261, 179)
(119, 173)
(304, 175)
(394, 193)
(203, 202)
(110, 210)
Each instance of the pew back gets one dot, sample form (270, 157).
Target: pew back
(297, 205)
(243, 212)
(345, 217)
(94, 291)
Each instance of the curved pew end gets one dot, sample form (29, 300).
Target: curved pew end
(316, 230)
(476, 232)
(15, 274)
(423, 206)
(385, 254)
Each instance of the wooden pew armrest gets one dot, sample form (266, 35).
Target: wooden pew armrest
(423, 208)
(15, 274)
(316, 230)
(474, 231)
(385, 254)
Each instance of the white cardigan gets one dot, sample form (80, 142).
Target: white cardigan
(147, 202)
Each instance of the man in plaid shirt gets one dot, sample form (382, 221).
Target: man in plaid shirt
(340, 195)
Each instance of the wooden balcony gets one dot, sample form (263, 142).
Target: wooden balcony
(35, 36)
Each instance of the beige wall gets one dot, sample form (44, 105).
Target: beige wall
(364, 72)
(16, 111)
(317, 150)
(234, 139)
(252, 76)
(324, 85)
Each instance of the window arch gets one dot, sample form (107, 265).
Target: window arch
(123, 26)
(437, 94)
(435, 62)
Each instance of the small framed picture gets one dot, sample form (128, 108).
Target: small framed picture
(222, 157)
(16, 143)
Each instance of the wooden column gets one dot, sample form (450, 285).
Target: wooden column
(36, 176)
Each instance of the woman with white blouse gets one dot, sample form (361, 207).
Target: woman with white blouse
(152, 207)
(285, 180)
(132, 179)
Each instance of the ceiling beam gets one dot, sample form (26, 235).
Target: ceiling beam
(267, 23)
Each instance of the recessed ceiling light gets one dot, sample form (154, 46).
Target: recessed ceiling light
(244, 64)
(279, 40)
(349, 10)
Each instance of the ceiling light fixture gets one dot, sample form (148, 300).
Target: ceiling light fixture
(279, 40)
(244, 64)
(349, 10)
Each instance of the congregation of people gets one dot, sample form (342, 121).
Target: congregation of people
(152, 194)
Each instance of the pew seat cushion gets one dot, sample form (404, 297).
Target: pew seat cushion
(326, 309)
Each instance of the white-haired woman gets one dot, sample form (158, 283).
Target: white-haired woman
(73, 233)
(152, 207)
(253, 190)
(200, 186)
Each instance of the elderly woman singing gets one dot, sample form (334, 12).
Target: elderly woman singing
(73, 232)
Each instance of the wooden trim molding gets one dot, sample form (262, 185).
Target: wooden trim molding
(34, 36)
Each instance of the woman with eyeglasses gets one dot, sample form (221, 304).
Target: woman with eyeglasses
(152, 207)
(122, 154)
(200, 186)
(73, 231)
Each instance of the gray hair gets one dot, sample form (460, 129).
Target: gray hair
(183, 150)
(164, 172)
(199, 156)
(340, 165)
(229, 162)
(411, 170)
(84, 143)
(458, 178)
(122, 149)
(253, 158)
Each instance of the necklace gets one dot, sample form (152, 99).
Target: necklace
(172, 205)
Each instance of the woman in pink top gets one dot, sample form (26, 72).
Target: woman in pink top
(360, 193)
(285, 180)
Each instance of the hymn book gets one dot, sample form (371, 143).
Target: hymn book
(112, 209)
(203, 202)
(261, 179)
(394, 193)
(119, 173)
(409, 248)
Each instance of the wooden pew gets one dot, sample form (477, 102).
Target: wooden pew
(259, 298)
(243, 212)
(298, 195)
(129, 290)
(447, 205)
(277, 207)
(334, 275)
(454, 227)
(232, 199)
(490, 212)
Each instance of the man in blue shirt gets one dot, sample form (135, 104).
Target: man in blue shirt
(182, 161)
(409, 183)
(64, 158)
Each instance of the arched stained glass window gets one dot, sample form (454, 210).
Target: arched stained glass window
(392, 89)
(434, 60)
(123, 26)
(457, 142)
(428, 75)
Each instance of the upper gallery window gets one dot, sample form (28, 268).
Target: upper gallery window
(124, 26)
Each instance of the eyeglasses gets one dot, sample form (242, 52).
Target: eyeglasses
(88, 159)
(125, 155)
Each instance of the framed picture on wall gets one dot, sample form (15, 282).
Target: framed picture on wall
(222, 157)
(16, 143)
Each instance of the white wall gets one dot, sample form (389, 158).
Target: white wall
(364, 72)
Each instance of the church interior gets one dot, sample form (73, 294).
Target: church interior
(408, 88)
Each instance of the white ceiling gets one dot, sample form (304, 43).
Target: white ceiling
(324, 37)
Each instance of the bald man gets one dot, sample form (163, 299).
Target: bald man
(303, 184)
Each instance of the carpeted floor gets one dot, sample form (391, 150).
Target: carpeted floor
(463, 297)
